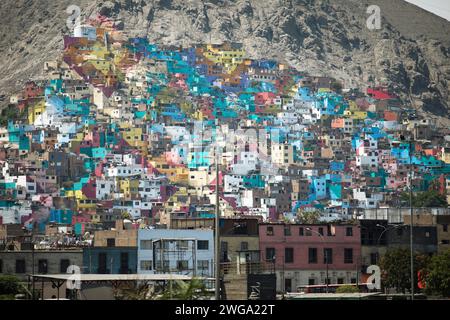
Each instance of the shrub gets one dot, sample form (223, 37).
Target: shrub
(347, 289)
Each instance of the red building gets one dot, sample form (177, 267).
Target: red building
(297, 252)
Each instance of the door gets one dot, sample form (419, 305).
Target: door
(288, 285)
(124, 262)
(102, 263)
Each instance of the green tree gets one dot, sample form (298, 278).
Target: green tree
(308, 217)
(181, 290)
(336, 86)
(126, 215)
(396, 269)
(426, 199)
(9, 286)
(437, 275)
(347, 289)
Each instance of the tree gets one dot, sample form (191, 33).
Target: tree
(9, 286)
(305, 217)
(347, 289)
(396, 269)
(437, 275)
(336, 86)
(180, 290)
(426, 199)
(126, 215)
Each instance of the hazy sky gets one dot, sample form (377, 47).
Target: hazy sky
(438, 7)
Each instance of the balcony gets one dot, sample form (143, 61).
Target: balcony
(229, 268)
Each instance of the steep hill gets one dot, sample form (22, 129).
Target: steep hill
(410, 53)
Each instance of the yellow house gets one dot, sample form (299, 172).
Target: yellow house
(133, 136)
(446, 155)
(86, 203)
(178, 174)
(125, 188)
(178, 199)
(198, 115)
(35, 111)
(229, 59)
(99, 50)
(354, 112)
(175, 173)
(134, 188)
(104, 66)
(78, 194)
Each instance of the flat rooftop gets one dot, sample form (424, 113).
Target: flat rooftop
(117, 277)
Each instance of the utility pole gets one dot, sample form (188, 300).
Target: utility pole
(32, 262)
(411, 216)
(217, 238)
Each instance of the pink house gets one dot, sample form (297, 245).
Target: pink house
(297, 252)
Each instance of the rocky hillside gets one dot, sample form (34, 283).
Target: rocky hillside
(410, 53)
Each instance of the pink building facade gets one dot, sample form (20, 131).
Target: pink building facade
(297, 252)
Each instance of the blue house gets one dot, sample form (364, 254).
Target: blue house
(110, 260)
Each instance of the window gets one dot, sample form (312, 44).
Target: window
(182, 245)
(269, 231)
(124, 263)
(311, 281)
(321, 231)
(329, 233)
(445, 241)
(42, 266)
(1, 266)
(64, 265)
(110, 242)
(445, 227)
(203, 265)
(349, 232)
(270, 254)
(244, 246)
(328, 255)
(348, 255)
(289, 255)
(146, 265)
(340, 280)
(182, 265)
(202, 245)
(287, 230)
(20, 266)
(373, 258)
(301, 232)
(146, 244)
(312, 255)
(308, 232)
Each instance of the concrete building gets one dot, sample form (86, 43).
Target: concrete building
(20, 262)
(297, 253)
(440, 222)
(123, 235)
(239, 237)
(189, 252)
(110, 260)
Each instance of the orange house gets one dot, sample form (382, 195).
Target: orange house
(390, 116)
(337, 123)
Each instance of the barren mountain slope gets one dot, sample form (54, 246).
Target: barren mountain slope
(324, 37)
